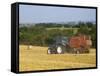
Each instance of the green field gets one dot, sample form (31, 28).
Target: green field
(37, 58)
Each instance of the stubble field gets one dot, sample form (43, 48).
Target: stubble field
(37, 58)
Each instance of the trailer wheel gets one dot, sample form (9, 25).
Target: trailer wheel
(59, 50)
(77, 52)
(87, 51)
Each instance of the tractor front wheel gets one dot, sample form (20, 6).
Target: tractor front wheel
(49, 51)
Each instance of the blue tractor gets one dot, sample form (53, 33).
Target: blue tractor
(58, 46)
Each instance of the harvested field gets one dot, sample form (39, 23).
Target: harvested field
(37, 58)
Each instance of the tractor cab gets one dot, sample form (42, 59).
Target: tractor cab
(61, 40)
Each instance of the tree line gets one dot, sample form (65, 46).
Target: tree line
(39, 35)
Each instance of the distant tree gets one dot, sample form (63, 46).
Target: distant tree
(93, 35)
(84, 30)
(40, 36)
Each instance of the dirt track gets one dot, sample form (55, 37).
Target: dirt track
(37, 58)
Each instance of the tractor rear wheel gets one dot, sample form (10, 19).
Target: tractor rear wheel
(60, 50)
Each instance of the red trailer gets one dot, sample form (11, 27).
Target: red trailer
(80, 44)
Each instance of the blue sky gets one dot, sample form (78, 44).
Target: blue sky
(48, 14)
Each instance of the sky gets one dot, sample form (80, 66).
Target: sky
(51, 14)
